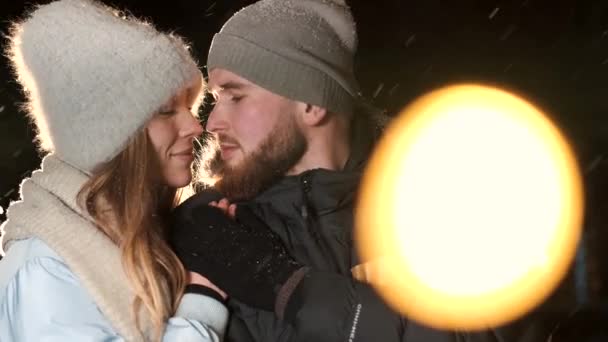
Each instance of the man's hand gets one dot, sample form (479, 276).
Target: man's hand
(225, 206)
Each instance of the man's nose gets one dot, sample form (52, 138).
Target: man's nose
(216, 122)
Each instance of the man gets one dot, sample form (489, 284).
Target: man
(292, 145)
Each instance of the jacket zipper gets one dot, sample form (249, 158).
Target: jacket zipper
(305, 210)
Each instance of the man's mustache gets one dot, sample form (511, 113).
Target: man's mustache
(226, 139)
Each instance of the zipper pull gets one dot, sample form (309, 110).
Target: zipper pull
(306, 183)
(306, 187)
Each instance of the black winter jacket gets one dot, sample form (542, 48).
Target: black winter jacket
(313, 215)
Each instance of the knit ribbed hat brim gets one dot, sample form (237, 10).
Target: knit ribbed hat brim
(285, 77)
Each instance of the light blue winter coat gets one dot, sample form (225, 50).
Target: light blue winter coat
(61, 279)
(42, 300)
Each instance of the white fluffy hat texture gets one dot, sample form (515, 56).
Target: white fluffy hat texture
(94, 77)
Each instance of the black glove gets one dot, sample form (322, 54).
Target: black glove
(243, 257)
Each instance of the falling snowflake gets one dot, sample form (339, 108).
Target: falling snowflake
(410, 40)
(378, 90)
(211, 7)
(508, 32)
(10, 192)
(494, 12)
(596, 161)
(209, 11)
(392, 90)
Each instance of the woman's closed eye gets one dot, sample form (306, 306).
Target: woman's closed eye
(167, 112)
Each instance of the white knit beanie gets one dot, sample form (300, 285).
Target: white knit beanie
(94, 77)
(300, 49)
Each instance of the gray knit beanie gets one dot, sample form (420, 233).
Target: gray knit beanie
(94, 77)
(300, 49)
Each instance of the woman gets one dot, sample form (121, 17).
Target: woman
(86, 256)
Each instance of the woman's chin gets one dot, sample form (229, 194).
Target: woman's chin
(179, 180)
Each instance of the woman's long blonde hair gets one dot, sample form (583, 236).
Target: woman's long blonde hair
(130, 206)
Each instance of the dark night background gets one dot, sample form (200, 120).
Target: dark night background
(555, 53)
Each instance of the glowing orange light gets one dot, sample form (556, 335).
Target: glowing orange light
(472, 208)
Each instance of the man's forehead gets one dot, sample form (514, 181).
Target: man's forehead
(221, 79)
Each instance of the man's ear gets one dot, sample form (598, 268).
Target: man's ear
(314, 115)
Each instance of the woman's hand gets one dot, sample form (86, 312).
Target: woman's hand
(197, 279)
(241, 255)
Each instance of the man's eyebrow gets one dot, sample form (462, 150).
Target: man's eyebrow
(231, 85)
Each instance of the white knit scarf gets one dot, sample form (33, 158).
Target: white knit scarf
(48, 211)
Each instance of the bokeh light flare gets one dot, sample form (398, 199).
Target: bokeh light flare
(471, 209)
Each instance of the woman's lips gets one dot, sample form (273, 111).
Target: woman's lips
(187, 155)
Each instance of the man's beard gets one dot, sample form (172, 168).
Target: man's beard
(275, 156)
